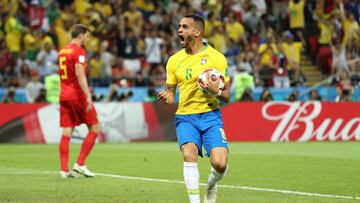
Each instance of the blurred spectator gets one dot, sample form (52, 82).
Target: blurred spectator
(234, 29)
(141, 80)
(297, 77)
(103, 7)
(294, 96)
(157, 18)
(217, 39)
(266, 52)
(47, 60)
(21, 60)
(114, 95)
(35, 13)
(106, 62)
(4, 56)
(297, 23)
(153, 46)
(24, 75)
(292, 50)
(252, 20)
(266, 95)
(41, 98)
(157, 76)
(151, 95)
(128, 50)
(33, 87)
(31, 44)
(242, 81)
(344, 87)
(314, 95)
(247, 95)
(210, 23)
(134, 19)
(52, 87)
(9, 96)
(338, 50)
(96, 65)
(96, 97)
(13, 30)
(281, 76)
(260, 4)
(118, 70)
(244, 62)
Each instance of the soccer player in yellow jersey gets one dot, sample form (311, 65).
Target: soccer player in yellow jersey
(198, 118)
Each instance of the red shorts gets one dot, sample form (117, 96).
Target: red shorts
(73, 113)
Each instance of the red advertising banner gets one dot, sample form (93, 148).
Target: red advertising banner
(292, 121)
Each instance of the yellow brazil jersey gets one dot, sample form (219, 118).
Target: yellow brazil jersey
(183, 70)
(296, 14)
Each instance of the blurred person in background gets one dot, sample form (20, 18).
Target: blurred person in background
(266, 95)
(292, 50)
(242, 81)
(134, 18)
(314, 95)
(266, 52)
(151, 95)
(41, 98)
(14, 30)
(128, 51)
(280, 63)
(96, 65)
(297, 22)
(9, 96)
(24, 75)
(52, 87)
(47, 60)
(297, 77)
(234, 29)
(153, 49)
(106, 61)
(33, 87)
(344, 87)
(5, 56)
(252, 22)
(294, 96)
(157, 18)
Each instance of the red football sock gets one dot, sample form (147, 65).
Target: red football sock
(64, 152)
(86, 147)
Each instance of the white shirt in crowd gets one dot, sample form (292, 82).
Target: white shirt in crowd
(32, 90)
(47, 62)
(153, 49)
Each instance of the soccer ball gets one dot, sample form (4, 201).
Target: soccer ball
(213, 74)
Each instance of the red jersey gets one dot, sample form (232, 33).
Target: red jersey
(68, 57)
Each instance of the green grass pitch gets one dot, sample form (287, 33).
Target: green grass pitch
(29, 173)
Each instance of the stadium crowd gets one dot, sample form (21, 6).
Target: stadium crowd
(131, 41)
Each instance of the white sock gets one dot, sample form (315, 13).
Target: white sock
(191, 177)
(214, 176)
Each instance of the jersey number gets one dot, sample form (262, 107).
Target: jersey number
(188, 73)
(63, 76)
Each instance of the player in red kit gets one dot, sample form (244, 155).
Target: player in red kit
(76, 106)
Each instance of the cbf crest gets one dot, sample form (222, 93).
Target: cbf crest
(203, 61)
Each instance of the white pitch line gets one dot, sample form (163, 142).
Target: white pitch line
(234, 187)
(202, 184)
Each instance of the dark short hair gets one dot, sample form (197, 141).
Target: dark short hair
(79, 29)
(197, 19)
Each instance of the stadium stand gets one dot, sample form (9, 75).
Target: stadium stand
(286, 44)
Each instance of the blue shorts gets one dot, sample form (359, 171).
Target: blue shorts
(201, 129)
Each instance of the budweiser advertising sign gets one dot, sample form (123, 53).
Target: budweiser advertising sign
(292, 121)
